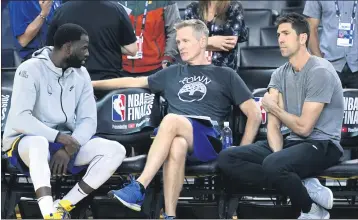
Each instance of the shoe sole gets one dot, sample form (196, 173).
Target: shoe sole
(132, 206)
(330, 205)
(327, 216)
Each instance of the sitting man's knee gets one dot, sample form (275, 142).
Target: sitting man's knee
(118, 148)
(226, 160)
(112, 148)
(36, 142)
(223, 159)
(172, 121)
(178, 149)
(273, 165)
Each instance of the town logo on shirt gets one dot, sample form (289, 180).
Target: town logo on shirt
(193, 89)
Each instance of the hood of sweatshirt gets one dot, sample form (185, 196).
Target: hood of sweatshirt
(44, 55)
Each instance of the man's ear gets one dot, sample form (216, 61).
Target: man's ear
(203, 42)
(303, 38)
(67, 48)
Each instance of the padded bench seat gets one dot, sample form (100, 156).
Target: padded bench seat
(132, 165)
(208, 168)
(136, 165)
(345, 170)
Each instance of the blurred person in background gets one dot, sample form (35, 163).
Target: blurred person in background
(339, 39)
(225, 21)
(153, 23)
(109, 29)
(29, 23)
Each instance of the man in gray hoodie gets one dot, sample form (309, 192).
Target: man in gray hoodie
(53, 117)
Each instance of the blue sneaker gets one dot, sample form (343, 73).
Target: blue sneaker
(130, 196)
(168, 217)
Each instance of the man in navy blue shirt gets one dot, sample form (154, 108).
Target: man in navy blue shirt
(29, 23)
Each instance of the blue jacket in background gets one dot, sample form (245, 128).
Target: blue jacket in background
(22, 13)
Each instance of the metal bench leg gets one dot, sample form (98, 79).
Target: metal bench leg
(14, 199)
(158, 198)
(222, 205)
(233, 204)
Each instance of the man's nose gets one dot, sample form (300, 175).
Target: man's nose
(280, 40)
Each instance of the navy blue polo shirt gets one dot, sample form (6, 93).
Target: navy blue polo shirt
(22, 13)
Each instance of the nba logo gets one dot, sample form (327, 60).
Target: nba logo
(263, 112)
(118, 107)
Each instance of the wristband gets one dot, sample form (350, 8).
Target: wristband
(166, 62)
(41, 16)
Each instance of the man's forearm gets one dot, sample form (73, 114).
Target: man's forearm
(251, 128)
(84, 131)
(274, 137)
(125, 82)
(211, 46)
(31, 31)
(25, 123)
(110, 84)
(126, 52)
(171, 17)
(290, 120)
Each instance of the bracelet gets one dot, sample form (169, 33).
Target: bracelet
(165, 61)
(43, 17)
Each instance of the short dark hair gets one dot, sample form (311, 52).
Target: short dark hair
(68, 33)
(298, 22)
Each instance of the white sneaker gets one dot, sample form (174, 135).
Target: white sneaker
(321, 195)
(56, 203)
(316, 212)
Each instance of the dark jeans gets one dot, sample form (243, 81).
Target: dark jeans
(348, 79)
(257, 164)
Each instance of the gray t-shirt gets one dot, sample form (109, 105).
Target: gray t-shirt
(326, 12)
(202, 90)
(317, 82)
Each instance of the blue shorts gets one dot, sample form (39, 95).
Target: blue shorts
(206, 142)
(15, 159)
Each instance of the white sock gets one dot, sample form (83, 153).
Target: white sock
(75, 195)
(46, 205)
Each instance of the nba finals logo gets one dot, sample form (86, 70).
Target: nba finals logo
(263, 112)
(119, 107)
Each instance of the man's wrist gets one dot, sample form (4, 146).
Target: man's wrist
(65, 149)
(166, 62)
(57, 136)
(275, 110)
(43, 16)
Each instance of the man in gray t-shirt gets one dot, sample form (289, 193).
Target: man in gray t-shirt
(306, 95)
(316, 82)
(192, 90)
(338, 42)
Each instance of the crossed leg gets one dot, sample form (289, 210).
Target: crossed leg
(170, 146)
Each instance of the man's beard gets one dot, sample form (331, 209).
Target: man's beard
(73, 61)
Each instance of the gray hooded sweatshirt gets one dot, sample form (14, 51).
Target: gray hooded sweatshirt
(45, 100)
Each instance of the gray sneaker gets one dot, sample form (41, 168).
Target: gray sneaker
(316, 212)
(321, 195)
